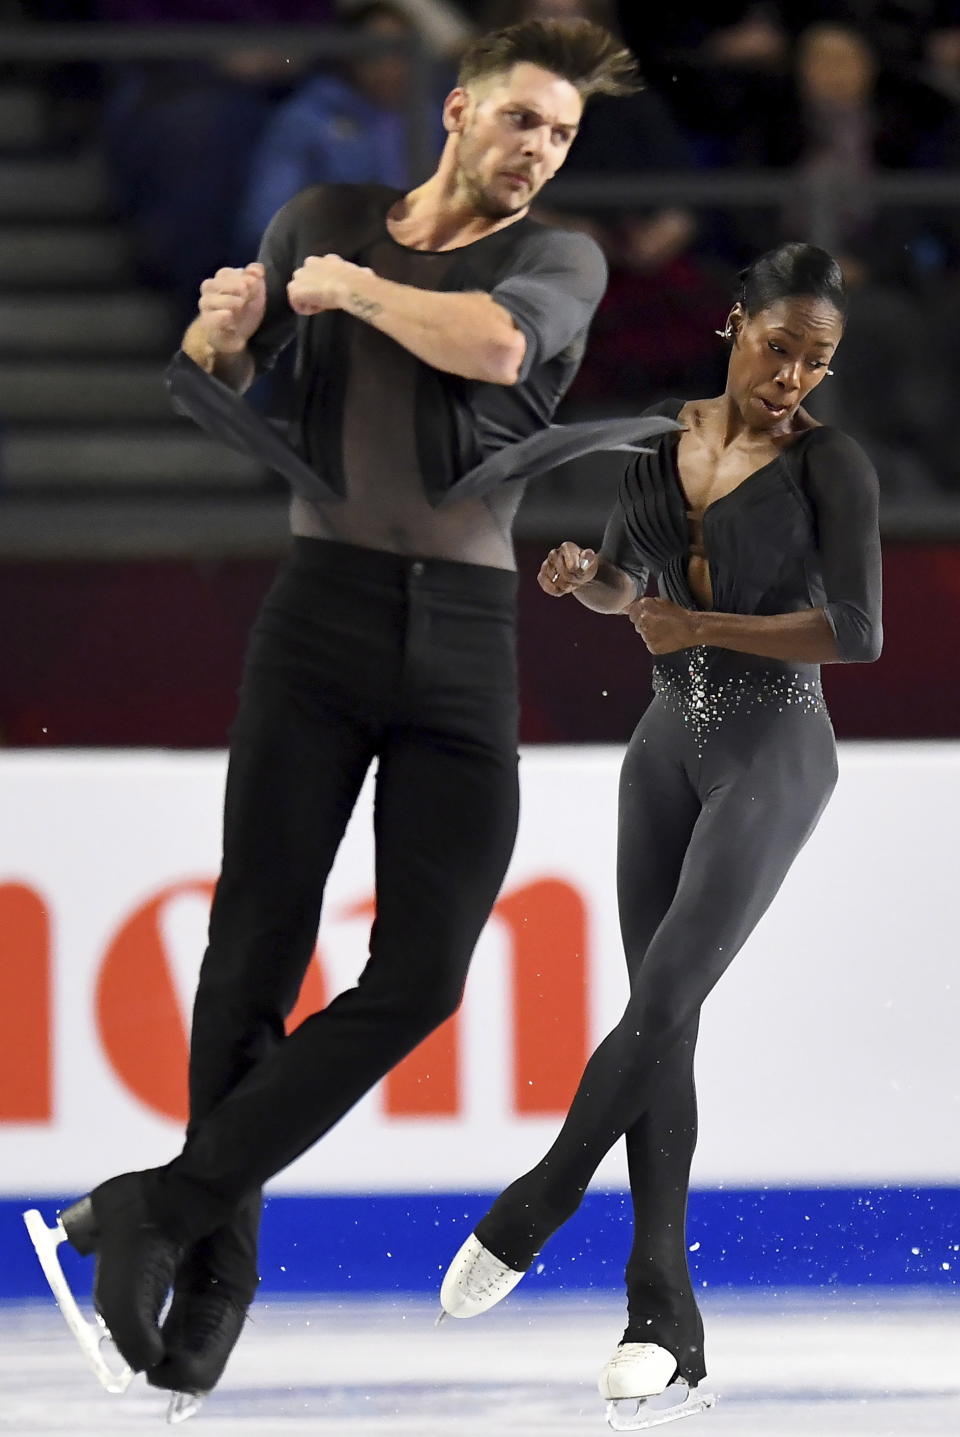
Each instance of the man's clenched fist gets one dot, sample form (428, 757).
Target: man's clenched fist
(232, 305)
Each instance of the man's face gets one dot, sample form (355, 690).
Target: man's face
(515, 131)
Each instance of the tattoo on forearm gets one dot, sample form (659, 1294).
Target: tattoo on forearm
(364, 308)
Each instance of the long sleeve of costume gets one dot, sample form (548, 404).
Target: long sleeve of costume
(618, 549)
(842, 486)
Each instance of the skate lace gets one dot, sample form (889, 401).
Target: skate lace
(485, 1275)
(634, 1351)
(159, 1268)
(200, 1319)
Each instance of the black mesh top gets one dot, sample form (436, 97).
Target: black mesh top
(801, 532)
(391, 434)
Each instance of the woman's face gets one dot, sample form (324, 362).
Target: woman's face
(778, 356)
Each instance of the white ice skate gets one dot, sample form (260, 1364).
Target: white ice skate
(182, 1406)
(637, 1375)
(475, 1281)
(91, 1336)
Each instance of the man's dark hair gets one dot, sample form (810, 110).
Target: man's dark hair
(587, 55)
(792, 271)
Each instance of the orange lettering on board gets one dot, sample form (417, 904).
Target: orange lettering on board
(142, 1026)
(426, 1084)
(26, 1039)
(547, 920)
(547, 925)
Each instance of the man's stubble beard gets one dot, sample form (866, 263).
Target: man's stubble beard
(481, 200)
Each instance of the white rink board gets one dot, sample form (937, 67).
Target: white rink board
(828, 1052)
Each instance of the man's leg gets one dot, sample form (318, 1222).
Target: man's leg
(444, 670)
(445, 819)
(294, 773)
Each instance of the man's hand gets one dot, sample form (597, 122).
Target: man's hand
(323, 282)
(231, 307)
(567, 568)
(664, 626)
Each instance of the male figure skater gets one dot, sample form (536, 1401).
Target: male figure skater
(447, 326)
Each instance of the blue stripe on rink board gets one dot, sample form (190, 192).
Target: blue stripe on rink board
(739, 1237)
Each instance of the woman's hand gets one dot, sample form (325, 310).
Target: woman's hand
(567, 568)
(664, 626)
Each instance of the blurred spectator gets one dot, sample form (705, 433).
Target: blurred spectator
(179, 135)
(889, 386)
(835, 122)
(840, 119)
(654, 328)
(347, 127)
(942, 51)
(213, 12)
(441, 25)
(701, 55)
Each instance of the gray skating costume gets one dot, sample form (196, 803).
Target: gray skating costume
(723, 781)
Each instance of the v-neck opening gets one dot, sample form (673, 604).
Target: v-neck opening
(674, 441)
(691, 516)
(701, 514)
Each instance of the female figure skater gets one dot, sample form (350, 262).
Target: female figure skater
(761, 527)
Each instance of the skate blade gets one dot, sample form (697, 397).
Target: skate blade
(183, 1406)
(442, 1316)
(634, 1414)
(90, 1336)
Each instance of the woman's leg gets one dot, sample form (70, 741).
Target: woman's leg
(658, 810)
(661, 1304)
(761, 800)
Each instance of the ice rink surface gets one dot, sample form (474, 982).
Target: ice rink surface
(867, 1362)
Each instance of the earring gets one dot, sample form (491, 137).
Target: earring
(829, 371)
(725, 333)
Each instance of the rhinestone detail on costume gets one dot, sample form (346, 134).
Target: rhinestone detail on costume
(704, 703)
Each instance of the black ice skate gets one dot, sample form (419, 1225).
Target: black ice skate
(136, 1266)
(199, 1333)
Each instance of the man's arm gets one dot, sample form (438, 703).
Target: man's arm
(235, 368)
(531, 315)
(232, 306)
(467, 334)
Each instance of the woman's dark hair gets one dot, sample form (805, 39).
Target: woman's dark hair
(587, 55)
(792, 271)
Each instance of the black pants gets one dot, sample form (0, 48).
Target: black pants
(724, 780)
(357, 655)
